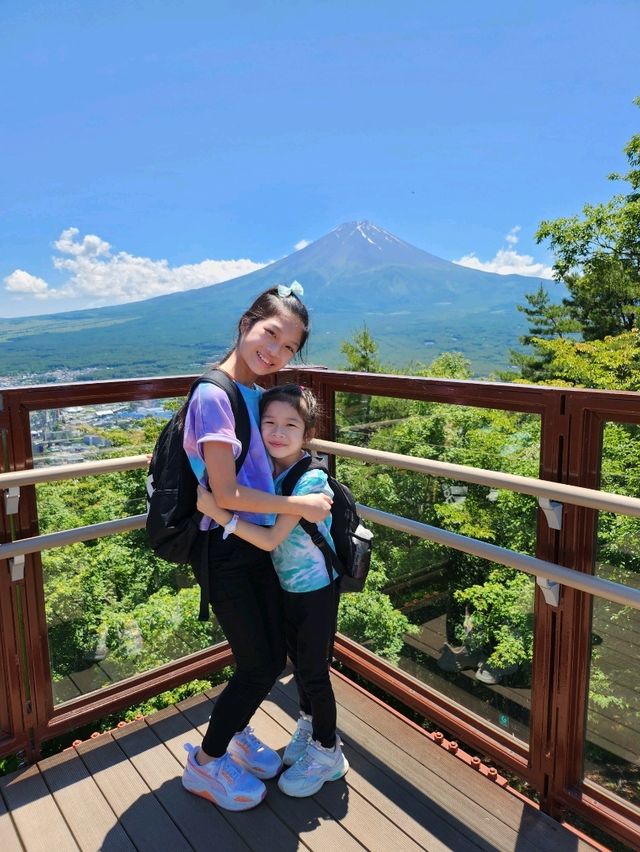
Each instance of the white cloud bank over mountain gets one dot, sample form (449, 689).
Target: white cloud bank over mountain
(100, 276)
(507, 261)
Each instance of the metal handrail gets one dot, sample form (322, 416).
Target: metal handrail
(36, 543)
(53, 473)
(616, 592)
(591, 498)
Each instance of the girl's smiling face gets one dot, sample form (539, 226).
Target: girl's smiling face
(283, 433)
(269, 344)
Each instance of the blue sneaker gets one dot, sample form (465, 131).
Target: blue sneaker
(252, 754)
(316, 766)
(222, 782)
(299, 741)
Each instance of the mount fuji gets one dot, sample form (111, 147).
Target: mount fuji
(415, 305)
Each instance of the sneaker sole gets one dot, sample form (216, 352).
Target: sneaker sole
(227, 804)
(262, 774)
(311, 791)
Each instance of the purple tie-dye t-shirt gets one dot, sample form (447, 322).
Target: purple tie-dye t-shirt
(210, 418)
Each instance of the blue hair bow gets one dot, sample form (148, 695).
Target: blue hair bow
(295, 288)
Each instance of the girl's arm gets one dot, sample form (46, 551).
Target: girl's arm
(221, 469)
(266, 538)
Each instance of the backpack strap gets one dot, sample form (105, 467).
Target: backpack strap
(220, 379)
(288, 484)
(240, 412)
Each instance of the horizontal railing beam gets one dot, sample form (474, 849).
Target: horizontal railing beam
(36, 543)
(54, 473)
(591, 498)
(607, 589)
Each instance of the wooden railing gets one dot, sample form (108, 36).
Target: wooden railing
(570, 453)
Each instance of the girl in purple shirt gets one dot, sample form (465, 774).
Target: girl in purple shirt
(244, 590)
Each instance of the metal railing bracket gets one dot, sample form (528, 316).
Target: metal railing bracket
(550, 590)
(16, 566)
(552, 511)
(11, 499)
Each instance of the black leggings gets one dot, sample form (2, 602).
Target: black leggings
(310, 628)
(247, 601)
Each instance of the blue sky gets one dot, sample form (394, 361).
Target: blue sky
(149, 147)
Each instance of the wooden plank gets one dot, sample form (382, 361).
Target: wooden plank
(259, 825)
(487, 809)
(39, 823)
(9, 840)
(197, 819)
(86, 811)
(411, 814)
(140, 813)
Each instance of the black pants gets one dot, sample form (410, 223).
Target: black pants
(310, 619)
(247, 601)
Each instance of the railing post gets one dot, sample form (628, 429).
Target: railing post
(573, 642)
(13, 694)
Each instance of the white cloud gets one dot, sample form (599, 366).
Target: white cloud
(91, 246)
(302, 244)
(508, 261)
(23, 282)
(512, 237)
(97, 275)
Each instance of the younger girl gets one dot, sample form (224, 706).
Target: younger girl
(288, 416)
(243, 588)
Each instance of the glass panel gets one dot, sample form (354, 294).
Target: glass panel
(613, 722)
(460, 624)
(113, 609)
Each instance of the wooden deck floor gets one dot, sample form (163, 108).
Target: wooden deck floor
(122, 791)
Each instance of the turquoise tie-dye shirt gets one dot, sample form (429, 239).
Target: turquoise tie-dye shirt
(299, 564)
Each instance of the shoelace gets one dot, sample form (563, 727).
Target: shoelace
(229, 767)
(301, 734)
(306, 763)
(251, 738)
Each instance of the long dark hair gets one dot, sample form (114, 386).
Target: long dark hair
(269, 304)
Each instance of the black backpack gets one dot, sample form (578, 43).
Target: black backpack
(353, 541)
(173, 521)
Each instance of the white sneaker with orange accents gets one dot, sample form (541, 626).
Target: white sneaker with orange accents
(256, 757)
(222, 782)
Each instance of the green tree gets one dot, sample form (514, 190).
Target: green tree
(546, 321)
(361, 352)
(362, 357)
(597, 254)
(610, 364)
